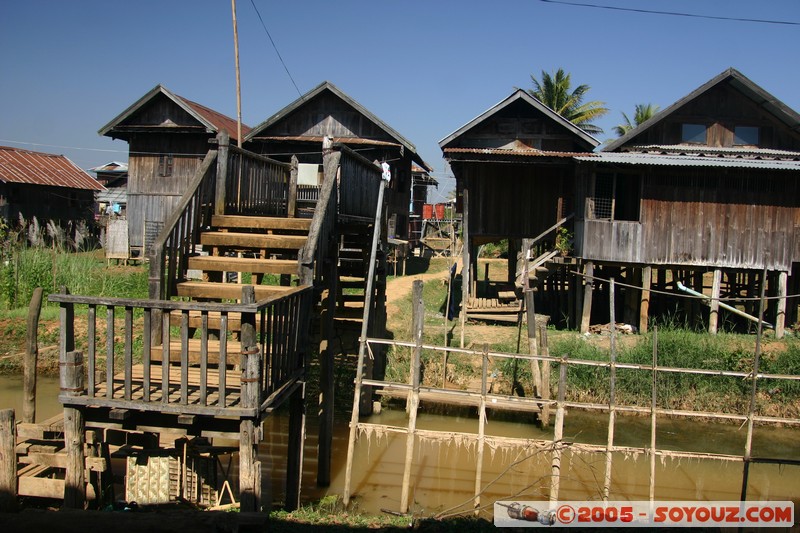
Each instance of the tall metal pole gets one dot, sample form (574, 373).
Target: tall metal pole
(238, 81)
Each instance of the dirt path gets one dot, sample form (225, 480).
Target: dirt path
(400, 286)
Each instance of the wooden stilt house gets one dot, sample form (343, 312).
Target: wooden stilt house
(327, 111)
(704, 195)
(167, 136)
(515, 179)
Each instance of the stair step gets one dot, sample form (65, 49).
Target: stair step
(233, 349)
(252, 240)
(353, 284)
(214, 320)
(261, 223)
(243, 264)
(227, 291)
(352, 298)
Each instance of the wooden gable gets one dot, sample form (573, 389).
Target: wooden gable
(722, 106)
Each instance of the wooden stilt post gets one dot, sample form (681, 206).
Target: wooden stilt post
(418, 320)
(31, 358)
(223, 141)
(533, 345)
(71, 378)
(249, 466)
(644, 305)
(780, 316)
(558, 433)
(754, 379)
(294, 461)
(653, 406)
(611, 392)
(713, 316)
(465, 262)
(8, 462)
(481, 431)
(326, 377)
(586, 313)
(545, 392)
(291, 201)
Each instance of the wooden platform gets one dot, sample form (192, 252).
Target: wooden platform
(466, 398)
(500, 309)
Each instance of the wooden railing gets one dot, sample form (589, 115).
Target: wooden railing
(198, 376)
(359, 185)
(255, 185)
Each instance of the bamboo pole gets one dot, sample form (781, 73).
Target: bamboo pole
(611, 392)
(653, 406)
(419, 313)
(558, 433)
(751, 411)
(238, 81)
(481, 430)
(31, 357)
(465, 262)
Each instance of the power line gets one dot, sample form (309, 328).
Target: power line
(275, 47)
(672, 13)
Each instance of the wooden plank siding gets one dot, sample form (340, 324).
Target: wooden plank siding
(727, 218)
(516, 200)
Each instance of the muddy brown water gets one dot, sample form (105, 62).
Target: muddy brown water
(443, 476)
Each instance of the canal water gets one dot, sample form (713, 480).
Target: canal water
(443, 476)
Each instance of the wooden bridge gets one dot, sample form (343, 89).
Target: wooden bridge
(210, 357)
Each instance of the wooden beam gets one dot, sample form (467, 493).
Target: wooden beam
(465, 261)
(713, 316)
(780, 316)
(644, 304)
(8, 462)
(74, 432)
(223, 140)
(31, 357)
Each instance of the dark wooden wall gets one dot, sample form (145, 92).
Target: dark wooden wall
(45, 203)
(728, 218)
(515, 200)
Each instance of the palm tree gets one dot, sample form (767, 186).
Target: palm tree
(641, 113)
(554, 91)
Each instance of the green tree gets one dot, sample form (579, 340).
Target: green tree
(641, 113)
(555, 91)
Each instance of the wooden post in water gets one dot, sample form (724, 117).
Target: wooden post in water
(294, 461)
(249, 466)
(481, 430)
(533, 345)
(223, 140)
(8, 462)
(419, 321)
(71, 379)
(31, 358)
(653, 406)
(754, 377)
(586, 313)
(558, 433)
(611, 392)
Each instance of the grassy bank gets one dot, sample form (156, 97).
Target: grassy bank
(677, 347)
(84, 273)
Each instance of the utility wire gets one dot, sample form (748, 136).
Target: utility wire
(672, 13)
(275, 47)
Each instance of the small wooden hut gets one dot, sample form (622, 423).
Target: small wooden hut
(706, 194)
(327, 111)
(45, 186)
(167, 137)
(515, 180)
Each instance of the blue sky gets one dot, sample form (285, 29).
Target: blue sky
(424, 67)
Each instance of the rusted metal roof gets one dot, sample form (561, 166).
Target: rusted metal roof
(220, 121)
(525, 153)
(627, 158)
(700, 150)
(37, 168)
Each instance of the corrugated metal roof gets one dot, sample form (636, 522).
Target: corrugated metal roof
(726, 151)
(627, 158)
(112, 166)
(525, 153)
(117, 195)
(220, 121)
(37, 168)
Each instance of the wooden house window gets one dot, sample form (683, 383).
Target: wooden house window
(616, 197)
(745, 136)
(693, 133)
(165, 163)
